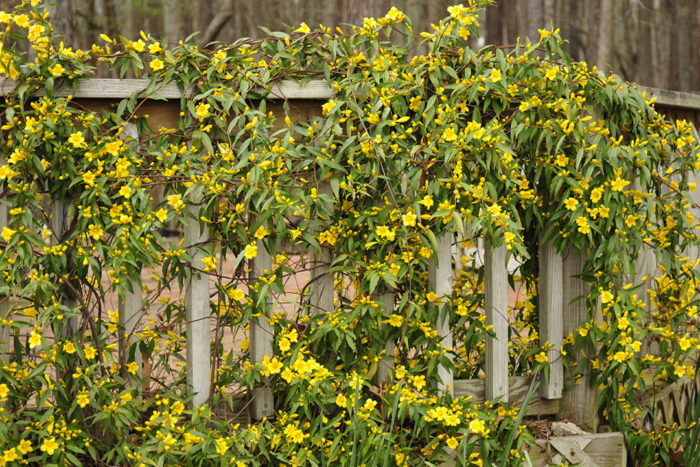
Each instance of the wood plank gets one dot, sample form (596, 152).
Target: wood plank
(59, 225)
(669, 98)
(440, 280)
(261, 336)
(496, 298)
(551, 319)
(385, 365)
(600, 449)
(321, 286)
(108, 88)
(580, 401)
(518, 386)
(5, 301)
(131, 305)
(197, 311)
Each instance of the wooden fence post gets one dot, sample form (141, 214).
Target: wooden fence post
(440, 280)
(579, 402)
(322, 292)
(59, 225)
(551, 317)
(261, 337)
(4, 302)
(197, 310)
(131, 305)
(496, 289)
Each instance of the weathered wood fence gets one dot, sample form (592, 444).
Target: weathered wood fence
(560, 314)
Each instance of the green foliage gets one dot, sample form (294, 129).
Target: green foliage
(506, 145)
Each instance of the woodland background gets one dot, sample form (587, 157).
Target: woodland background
(651, 42)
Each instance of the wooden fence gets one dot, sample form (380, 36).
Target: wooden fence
(559, 313)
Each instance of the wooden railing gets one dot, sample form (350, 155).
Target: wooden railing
(560, 314)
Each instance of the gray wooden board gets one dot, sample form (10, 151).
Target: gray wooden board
(518, 387)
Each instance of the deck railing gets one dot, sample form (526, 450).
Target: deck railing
(560, 313)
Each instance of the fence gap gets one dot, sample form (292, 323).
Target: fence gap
(261, 334)
(496, 290)
(197, 308)
(440, 280)
(551, 319)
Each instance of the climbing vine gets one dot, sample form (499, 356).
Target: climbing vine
(423, 136)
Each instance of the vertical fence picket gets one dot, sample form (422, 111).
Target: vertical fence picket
(197, 310)
(578, 402)
(4, 303)
(440, 280)
(59, 225)
(551, 317)
(386, 364)
(496, 290)
(131, 305)
(261, 337)
(321, 287)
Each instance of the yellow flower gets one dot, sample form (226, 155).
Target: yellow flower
(209, 263)
(95, 231)
(4, 391)
(622, 356)
(449, 135)
(262, 232)
(7, 234)
(427, 201)
(409, 219)
(293, 434)
(202, 111)
(251, 251)
(684, 343)
(162, 215)
(10, 455)
(69, 348)
(303, 28)
(452, 443)
(221, 446)
(56, 70)
(22, 21)
(571, 203)
(154, 48)
(596, 194)
(541, 357)
(49, 446)
(477, 426)
(34, 339)
(606, 296)
(83, 399)
(395, 320)
(328, 106)
(341, 400)
(90, 352)
(156, 64)
(89, 178)
(284, 344)
(551, 73)
(176, 201)
(583, 226)
(236, 294)
(25, 446)
(495, 75)
(619, 184)
(77, 140)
